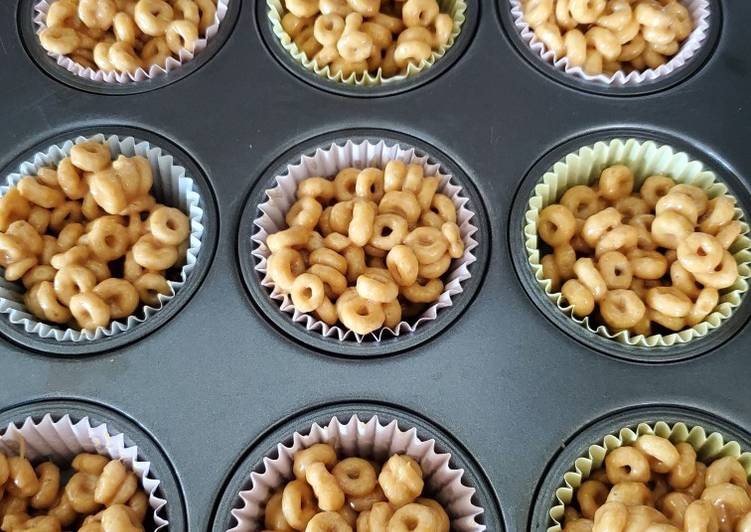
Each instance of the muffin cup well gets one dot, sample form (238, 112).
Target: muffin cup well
(708, 447)
(327, 162)
(700, 13)
(583, 167)
(39, 18)
(457, 9)
(60, 439)
(171, 186)
(368, 439)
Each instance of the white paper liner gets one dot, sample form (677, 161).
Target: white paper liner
(328, 162)
(709, 447)
(584, 167)
(172, 63)
(371, 440)
(171, 187)
(61, 439)
(700, 13)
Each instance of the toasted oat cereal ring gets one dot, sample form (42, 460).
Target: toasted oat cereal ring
(726, 470)
(18, 269)
(723, 276)
(377, 285)
(153, 16)
(151, 254)
(292, 237)
(431, 219)
(59, 40)
(669, 300)
(72, 280)
(181, 34)
(358, 314)
(683, 280)
(443, 524)
(586, 11)
(149, 286)
(661, 453)
(414, 52)
(345, 183)
(319, 452)
(90, 156)
(13, 206)
(37, 274)
(329, 495)
(550, 35)
(39, 219)
(337, 242)
(25, 234)
(684, 472)
(319, 188)
(651, 15)
(284, 266)
(590, 276)
(273, 517)
(428, 244)
(436, 269)
(581, 200)
(355, 476)
(97, 14)
(427, 192)
(726, 235)
(169, 225)
(575, 44)
(649, 265)
(705, 303)
(393, 175)
(550, 272)
(72, 183)
(62, 13)
(579, 297)
(538, 11)
(123, 57)
(208, 14)
(328, 522)
(720, 211)
(124, 28)
(120, 296)
(89, 311)
(631, 206)
(621, 237)
(655, 187)
(616, 181)
(632, 49)
(419, 12)
(413, 517)
(155, 51)
(302, 8)
(700, 253)
(327, 29)
(444, 206)
(341, 216)
(298, 504)
(334, 282)
(423, 292)
(679, 202)
(107, 191)
(729, 502)
(615, 269)
(673, 506)
(631, 494)
(627, 464)
(393, 312)
(307, 292)
(607, 44)
(402, 203)
(389, 230)
(454, 237)
(669, 322)
(680, 19)
(42, 301)
(369, 184)
(591, 495)
(598, 224)
(304, 212)
(75, 255)
(616, 16)
(329, 257)
(403, 265)
(361, 227)
(556, 225)
(701, 517)
(622, 309)
(413, 178)
(109, 240)
(671, 228)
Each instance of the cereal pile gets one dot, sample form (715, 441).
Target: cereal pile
(353, 494)
(125, 35)
(376, 242)
(101, 495)
(660, 487)
(360, 36)
(659, 257)
(88, 240)
(605, 36)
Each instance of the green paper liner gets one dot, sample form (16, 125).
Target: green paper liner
(709, 447)
(455, 8)
(644, 158)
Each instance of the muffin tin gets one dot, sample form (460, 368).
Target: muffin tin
(498, 381)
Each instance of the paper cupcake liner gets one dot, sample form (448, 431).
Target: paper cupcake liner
(328, 162)
(455, 8)
(171, 187)
(644, 159)
(172, 63)
(700, 13)
(709, 447)
(61, 439)
(367, 439)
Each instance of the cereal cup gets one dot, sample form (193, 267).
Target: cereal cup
(328, 161)
(171, 186)
(709, 446)
(456, 9)
(90, 72)
(700, 14)
(369, 439)
(644, 158)
(60, 439)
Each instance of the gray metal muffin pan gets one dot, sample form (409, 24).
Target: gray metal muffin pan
(510, 387)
